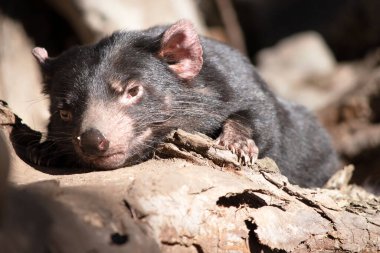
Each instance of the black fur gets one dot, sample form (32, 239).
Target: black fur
(227, 87)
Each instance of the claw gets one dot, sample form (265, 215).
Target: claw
(248, 162)
(245, 148)
(34, 159)
(243, 159)
(247, 158)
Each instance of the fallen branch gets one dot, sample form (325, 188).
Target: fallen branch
(210, 203)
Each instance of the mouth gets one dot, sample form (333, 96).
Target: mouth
(117, 155)
(106, 161)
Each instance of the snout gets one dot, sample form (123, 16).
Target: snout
(93, 142)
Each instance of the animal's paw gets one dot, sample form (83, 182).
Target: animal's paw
(34, 155)
(39, 154)
(245, 148)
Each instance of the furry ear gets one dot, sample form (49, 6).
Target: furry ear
(182, 50)
(43, 59)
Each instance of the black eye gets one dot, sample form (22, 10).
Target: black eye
(134, 91)
(65, 115)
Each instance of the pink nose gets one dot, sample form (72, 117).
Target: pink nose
(93, 142)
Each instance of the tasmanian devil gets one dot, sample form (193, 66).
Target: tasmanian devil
(112, 102)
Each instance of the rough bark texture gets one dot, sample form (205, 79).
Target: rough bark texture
(204, 201)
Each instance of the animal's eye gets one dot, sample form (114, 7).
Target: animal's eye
(132, 94)
(134, 91)
(65, 115)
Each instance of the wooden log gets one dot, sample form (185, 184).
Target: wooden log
(205, 201)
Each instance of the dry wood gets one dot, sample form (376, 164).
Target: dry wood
(210, 203)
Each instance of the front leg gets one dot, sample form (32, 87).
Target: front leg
(237, 136)
(28, 146)
(27, 142)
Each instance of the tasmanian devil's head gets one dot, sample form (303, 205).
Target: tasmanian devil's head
(111, 102)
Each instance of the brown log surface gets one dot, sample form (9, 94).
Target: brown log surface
(199, 199)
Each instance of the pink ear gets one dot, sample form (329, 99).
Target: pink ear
(40, 54)
(181, 48)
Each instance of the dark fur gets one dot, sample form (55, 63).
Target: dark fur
(227, 87)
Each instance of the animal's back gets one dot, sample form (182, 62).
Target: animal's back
(114, 101)
(282, 130)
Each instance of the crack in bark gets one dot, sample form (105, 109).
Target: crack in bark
(305, 201)
(247, 197)
(202, 190)
(197, 246)
(264, 174)
(253, 239)
(133, 212)
(315, 207)
(375, 224)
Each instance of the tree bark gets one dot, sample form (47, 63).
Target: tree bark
(200, 199)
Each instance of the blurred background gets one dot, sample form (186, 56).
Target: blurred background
(323, 54)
